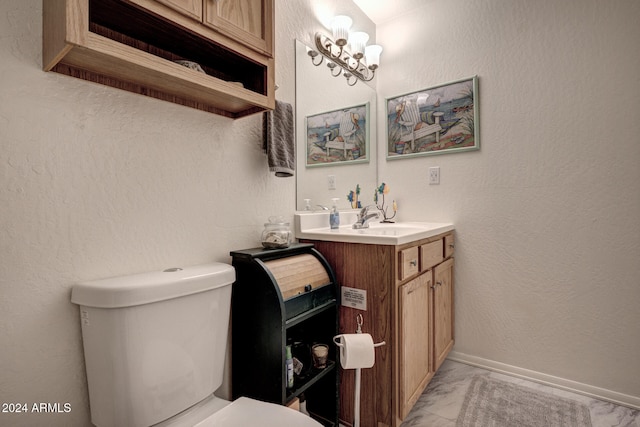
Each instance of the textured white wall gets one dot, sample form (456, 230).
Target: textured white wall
(547, 213)
(98, 182)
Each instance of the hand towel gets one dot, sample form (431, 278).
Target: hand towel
(278, 139)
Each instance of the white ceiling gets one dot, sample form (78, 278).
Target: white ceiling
(380, 11)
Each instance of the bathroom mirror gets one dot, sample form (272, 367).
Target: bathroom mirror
(318, 93)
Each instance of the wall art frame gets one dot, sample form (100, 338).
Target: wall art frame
(437, 120)
(338, 136)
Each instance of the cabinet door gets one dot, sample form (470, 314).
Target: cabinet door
(443, 324)
(414, 341)
(248, 21)
(190, 8)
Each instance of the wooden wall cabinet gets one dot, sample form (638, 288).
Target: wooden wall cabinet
(191, 8)
(132, 45)
(243, 20)
(249, 22)
(410, 305)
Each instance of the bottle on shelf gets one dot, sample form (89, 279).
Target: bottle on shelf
(289, 366)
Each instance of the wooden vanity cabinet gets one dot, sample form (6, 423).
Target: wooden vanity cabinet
(410, 306)
(132, 45)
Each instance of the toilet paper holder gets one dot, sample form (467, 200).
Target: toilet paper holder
(356, 409)
(339, 344)
(359, 322)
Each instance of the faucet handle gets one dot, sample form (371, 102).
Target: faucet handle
(364, 211)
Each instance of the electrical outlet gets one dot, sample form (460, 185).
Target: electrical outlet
(331, 181)
(434, 175)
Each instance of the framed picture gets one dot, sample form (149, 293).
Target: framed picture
(338, 136)
(438, 120)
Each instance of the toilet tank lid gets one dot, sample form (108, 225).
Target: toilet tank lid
(145, 288)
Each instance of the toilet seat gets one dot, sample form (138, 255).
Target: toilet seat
(195, 414)
(243, 412)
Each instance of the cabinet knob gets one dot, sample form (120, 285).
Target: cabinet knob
(413, 263)
(439, 283)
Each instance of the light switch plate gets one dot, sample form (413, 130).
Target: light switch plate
(434, 175)
(331, 182)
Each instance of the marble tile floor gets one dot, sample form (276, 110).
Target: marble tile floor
(441, 402)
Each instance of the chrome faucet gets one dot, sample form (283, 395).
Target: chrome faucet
(364, 216)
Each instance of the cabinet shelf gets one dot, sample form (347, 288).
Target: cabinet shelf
(331, 304)
(312, 378)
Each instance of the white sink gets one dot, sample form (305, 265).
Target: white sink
(315, 226)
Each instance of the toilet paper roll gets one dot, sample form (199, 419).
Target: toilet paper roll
(356, 351)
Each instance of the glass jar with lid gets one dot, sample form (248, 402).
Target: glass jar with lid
(276, 233)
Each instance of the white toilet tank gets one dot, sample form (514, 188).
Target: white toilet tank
(154, 343)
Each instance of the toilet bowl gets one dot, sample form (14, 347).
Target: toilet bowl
(243, 412)
(154, 347)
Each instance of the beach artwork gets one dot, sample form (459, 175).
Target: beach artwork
(438, 120)
(338, 136)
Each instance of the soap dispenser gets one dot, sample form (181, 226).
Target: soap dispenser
(334, 215)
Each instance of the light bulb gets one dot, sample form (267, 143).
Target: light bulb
(340, 27)
(358, 40)
(372, 54)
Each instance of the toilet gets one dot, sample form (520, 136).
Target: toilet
(154, 349)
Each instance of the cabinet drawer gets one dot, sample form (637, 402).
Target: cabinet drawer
(431, 254)
(408, 262)
(448, 245)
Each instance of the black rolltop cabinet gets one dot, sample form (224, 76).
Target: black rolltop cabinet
(281, 297)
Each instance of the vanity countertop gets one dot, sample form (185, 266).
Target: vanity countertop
(314, 226)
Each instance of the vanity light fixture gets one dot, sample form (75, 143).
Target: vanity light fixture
(359, 62)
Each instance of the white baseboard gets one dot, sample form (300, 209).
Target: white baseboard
(550, 380)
